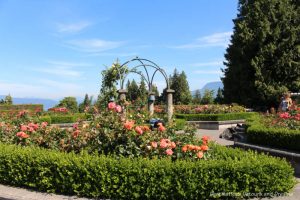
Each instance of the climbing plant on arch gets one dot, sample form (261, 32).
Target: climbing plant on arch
(142, 67)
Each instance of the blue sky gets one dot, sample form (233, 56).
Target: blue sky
(58, 48)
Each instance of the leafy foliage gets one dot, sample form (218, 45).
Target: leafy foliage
(85, 105)
(280, 131)
(263, 57)
(233, 170)
(215, 117)
(179, 83)
(207, 97)
(110, 80)
(70, 103)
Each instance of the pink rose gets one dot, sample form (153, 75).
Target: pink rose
(111, 105)
(44, 124)
(138, 130)
(23, 128)
(118, 109)
(169, 152)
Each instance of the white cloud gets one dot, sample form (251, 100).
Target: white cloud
(213, 40)
(133, 54)
(93, 45)
(60, 71)
(72, 27)
(62, 68)
(68, 64)
(67, 87)
(208, 64)
(208, 72)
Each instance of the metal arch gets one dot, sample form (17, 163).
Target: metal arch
(148, 80)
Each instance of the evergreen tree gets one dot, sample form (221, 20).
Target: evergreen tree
(180, 84)
(219, 98)
(197, 97)
(155, 91)
(70, 103)
(263, 59)
(86, 103)
(143, 91)
(207, 97)
(133, 90)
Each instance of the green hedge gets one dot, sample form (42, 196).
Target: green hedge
(45, 119)
(215, 117)
(32, 107)
(257, 133)
(233, 171)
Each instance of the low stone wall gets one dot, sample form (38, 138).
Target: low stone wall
(216, 125)
(292, 157)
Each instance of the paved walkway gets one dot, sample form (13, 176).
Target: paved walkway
(214, 135)
(12, 193)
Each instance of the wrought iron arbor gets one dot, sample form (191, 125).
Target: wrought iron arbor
(144, 65)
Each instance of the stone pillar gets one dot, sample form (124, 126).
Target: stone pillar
(122, 99)
(170, 104)
(151, 100)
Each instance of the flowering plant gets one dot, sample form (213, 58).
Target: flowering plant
(289, 119)
(109, 132)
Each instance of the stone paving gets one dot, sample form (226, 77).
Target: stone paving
(13, 193)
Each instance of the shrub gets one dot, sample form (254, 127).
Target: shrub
(234, 171)
(258, 133)
(45, 118)
(18, 107)
(58, 119)
(202, 109)
(215, 117)
(69, 118)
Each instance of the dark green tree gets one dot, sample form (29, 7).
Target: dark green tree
(143, 93)
(133, 90)
(197, 97)
(208, 97)
(70, 103)
(263, 59)
(180, 84)
(219, 98)
(86, 103)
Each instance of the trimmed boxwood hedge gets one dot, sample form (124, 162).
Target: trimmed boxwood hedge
(215, 117)
(233, 171)
(283, 138)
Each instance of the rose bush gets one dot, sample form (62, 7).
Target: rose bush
(108, 133)
(202, 109)
(288, 120)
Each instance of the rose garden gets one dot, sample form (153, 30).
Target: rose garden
(114, 151)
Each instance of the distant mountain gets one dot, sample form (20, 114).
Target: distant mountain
(48, 103)
(210, 86)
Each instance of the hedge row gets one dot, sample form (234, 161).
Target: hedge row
(71, 118)
(257, 133)
(32, 107)
(234, 171)
(215, 117)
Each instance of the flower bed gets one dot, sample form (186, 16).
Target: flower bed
(280, 131)
(202, 109)
(232, 172)
(119, 157)
(215, 117)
